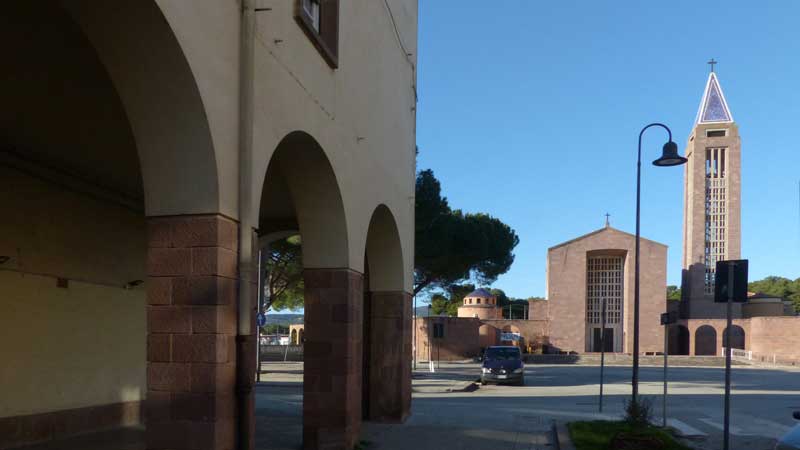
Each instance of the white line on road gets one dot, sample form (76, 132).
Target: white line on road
(684, 428)
(734, 429)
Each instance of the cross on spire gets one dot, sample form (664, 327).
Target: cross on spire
(608, 224)
(712, 63)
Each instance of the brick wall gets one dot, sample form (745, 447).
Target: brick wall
(461, 338)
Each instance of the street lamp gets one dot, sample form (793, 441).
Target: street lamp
(669, 157)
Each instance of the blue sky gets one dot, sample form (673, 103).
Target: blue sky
(530, 111)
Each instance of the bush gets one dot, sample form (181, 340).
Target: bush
(638, 413)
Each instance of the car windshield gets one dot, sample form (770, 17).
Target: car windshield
(502, 353)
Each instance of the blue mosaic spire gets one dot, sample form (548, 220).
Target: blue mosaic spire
(713, 107)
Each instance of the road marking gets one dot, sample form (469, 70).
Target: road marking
(684, 428)
(734, 429)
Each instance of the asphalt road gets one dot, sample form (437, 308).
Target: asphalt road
(520, 417)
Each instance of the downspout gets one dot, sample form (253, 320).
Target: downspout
(245, 341)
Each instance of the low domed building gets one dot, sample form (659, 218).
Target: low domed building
(480, 304)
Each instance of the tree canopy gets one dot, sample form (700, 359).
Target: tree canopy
(673, 292)
(779, 287)
(283, 284)
(453, 246)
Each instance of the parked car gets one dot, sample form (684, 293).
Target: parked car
(791, 440)
(503, 364)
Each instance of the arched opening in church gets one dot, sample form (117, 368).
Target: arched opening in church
(678, 340)
(705, 341)
(736, 337)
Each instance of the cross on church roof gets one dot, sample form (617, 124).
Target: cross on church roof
(712, 63)
(608, 224)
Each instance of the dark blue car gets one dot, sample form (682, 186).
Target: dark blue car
(503, 364)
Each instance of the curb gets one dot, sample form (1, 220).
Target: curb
(561, 437)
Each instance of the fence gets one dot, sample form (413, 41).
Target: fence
(762, 358)
(281, 353)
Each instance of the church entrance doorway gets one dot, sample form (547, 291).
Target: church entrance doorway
(603, 343)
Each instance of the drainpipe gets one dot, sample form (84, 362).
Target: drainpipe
(245, 343)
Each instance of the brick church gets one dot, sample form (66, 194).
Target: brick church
(584, 272)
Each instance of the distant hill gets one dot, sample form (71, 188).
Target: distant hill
(284, 319)
(422, 311)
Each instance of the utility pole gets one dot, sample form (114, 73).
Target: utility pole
(726, 442)
(602, 349)
(666, 351)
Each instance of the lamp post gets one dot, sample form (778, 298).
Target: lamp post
(669, 157)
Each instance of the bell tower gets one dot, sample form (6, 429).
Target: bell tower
(712, 201)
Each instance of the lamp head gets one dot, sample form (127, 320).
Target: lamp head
(670, 156)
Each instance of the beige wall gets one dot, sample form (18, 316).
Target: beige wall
(566, 284)
(78, 346)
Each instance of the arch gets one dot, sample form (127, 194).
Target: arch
(737, 337)
(384, 252)
(104, 122)
(300, 192)
(300, 335)
(705, 341)
(512, 329)
(679, 338)
(148, 67)
(487, 335)
(293, 337)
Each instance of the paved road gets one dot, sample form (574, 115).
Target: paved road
(519, 417)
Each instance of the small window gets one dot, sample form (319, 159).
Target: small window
(479, 301)
(438, 330)
(319, 19)
(716, 133)
(311, 9)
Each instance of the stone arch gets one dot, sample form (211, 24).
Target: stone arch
(164, 106)
(705, 341)
(293, 337)
(737, 338)
(102, 114)
(487, 335)
(300, 336)
(384, 252)
(386, 356)
(679, 338)
(301, 192)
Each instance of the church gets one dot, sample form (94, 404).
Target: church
(598, 267)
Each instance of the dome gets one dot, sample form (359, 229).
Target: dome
(480, 293)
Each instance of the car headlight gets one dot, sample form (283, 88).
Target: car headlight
(486, 369)
(518, 370)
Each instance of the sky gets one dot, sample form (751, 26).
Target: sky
(530, 111)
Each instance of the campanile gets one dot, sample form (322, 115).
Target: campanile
(712, 201)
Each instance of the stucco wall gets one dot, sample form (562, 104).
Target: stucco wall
(78, 346)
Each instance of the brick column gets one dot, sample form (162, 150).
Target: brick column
(390, 356)
(332, 354)
(191, 321)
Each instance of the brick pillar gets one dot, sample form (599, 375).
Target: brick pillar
(332, 354)
(390, 356)
(191, 326)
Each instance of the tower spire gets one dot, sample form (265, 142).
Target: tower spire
(713, 106)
